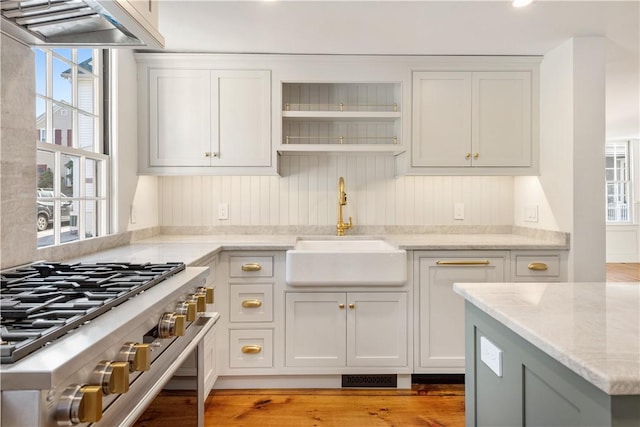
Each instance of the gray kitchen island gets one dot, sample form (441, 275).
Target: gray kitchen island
(552, 354)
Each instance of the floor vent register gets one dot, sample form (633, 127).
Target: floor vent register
(370, 381)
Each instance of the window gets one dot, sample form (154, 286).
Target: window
(618, 176)
(72, 164)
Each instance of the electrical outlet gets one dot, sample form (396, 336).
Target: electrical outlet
(458, 211)
(223, 210)
(491, 355)
(531, 213)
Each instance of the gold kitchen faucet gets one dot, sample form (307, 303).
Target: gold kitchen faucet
(342, 201)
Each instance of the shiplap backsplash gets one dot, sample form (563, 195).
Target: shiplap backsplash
(306, 194)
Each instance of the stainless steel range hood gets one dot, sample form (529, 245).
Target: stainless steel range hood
(111, 23)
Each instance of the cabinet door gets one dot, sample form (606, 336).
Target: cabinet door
(442, 310)
(377, 329)
(210, 368)
(315, 325)
(179, 117)
(441, 119)
(501, 113)
(243, 118)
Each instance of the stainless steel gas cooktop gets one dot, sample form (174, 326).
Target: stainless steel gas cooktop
(43, 301)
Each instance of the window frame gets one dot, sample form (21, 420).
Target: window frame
(626, 182)
(95, 153)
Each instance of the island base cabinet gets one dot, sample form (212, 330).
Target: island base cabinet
(527, 387)
(358, 329)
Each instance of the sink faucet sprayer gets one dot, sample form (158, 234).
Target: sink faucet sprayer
(342, 201)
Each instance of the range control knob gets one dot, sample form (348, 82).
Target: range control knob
(208, 294)
(201, 304)
(188, 309)
(171, 325)
(113, 377)
(138, 356)
(79, 404)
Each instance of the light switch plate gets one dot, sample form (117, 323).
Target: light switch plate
(458, 211)
(491, 355)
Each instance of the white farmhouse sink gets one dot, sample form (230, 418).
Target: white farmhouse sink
(345, 261)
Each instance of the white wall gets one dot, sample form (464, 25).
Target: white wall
(306, 194)
(137, 194)
(570, 189)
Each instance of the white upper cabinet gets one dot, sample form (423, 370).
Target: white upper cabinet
(202, 121)
(179, 117)
(501, 119)
(474, 122)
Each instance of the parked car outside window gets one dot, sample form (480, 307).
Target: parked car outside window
(46, 209)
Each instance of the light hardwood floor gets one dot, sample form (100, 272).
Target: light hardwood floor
(623, 272)
(423, 406)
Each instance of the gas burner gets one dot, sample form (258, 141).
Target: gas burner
(43, 301)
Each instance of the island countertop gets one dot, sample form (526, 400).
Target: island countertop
(591, 328)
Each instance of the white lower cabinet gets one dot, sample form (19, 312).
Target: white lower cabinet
(441, 310)
(210, 366)
(337, 329)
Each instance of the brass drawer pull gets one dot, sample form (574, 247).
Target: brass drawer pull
(251, 349)
(464, 262)
(341, 305)
(251, 303)
(537, 266)
(252, 266)
(352, 306)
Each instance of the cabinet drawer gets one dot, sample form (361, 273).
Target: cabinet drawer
(542, 266)
(250, 266)
(251, 303)
(250, 348)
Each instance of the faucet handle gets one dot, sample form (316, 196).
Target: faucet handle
(350, 222)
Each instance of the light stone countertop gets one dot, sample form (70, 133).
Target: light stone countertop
(197, 249)
(591, 328)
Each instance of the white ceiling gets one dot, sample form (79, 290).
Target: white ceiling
(450, 27)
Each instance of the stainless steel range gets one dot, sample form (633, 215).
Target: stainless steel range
(95, 343)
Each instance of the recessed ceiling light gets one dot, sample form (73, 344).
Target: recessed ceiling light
(521, 3)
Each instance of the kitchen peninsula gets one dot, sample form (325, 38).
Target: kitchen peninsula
(550, 354)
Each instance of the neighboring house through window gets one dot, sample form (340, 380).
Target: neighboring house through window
(72, 164)
(618, 177)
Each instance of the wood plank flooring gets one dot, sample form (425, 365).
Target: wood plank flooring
(424, 406)
(623, 272)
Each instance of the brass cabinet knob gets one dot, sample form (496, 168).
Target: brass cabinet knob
(113, 377)
(537, 266)
(138, 356)
(467, 156)
(251, 349)
(251, 303)
(476, 155)
(79, 404)
(252, 266)
(341, 305)
(207, 154)
(208, 294)
(352, 306)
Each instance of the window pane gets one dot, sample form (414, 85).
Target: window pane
(62, 125)
(44, 169)
(87, 126)
(91, 216)
(70, 174)
(91, 187)
(63, 52)
(61, 81)
(85, 60)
